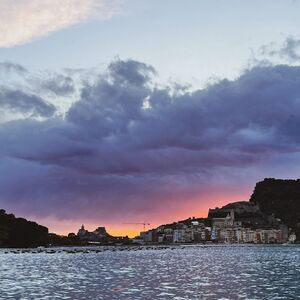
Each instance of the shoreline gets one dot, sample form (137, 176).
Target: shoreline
(132, 248)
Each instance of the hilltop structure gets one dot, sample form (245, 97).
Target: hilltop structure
(99, 236)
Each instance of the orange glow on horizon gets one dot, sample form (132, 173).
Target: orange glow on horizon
(192, 207)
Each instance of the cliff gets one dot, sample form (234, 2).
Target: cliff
(281, 198)
(20, 233)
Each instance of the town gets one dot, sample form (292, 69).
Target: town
(271, 216)
(239, 222)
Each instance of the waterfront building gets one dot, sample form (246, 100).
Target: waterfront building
(179, 236)
(292, 238)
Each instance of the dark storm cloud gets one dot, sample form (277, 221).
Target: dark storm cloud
(19, 101)
(126, 144)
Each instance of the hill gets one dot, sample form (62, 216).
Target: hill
(20, 233)
(281, 198)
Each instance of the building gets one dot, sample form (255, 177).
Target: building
(82, 232)
(99, 235)
(239, 222)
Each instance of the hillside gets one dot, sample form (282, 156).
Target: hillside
(280, 197)
(18, 232)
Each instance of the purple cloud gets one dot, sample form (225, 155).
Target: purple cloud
(127, 145)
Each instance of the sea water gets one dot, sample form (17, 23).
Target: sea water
(190, 272)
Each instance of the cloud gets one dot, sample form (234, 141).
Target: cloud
(38, 93)
(128, 146)
(23, 21)
(8, 67)
(55, 84)
(23, 102)
(289, 50)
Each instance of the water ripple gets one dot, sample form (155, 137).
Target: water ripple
(216, 272)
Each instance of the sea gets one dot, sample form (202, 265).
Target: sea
(152, 272)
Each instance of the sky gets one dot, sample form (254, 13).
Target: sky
(126, 111)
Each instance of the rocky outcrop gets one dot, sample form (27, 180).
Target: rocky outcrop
(281, 198)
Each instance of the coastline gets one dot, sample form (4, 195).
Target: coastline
(120, 248)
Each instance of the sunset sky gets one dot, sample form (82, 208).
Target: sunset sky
(124, 111)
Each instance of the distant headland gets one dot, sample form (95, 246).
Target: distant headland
(20, 233)
(272, 215)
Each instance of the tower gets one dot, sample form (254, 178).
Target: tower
(81, 231)
(232, 215)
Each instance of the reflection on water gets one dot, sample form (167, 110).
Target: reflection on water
(211, 272)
